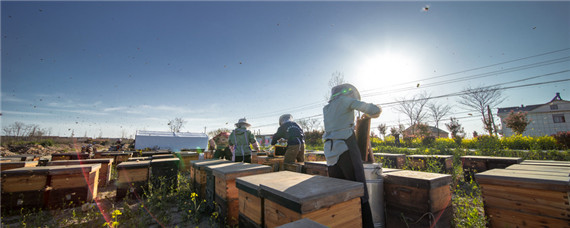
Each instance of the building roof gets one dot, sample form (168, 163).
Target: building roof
(171, 134)
(431, 129)
(527, 108)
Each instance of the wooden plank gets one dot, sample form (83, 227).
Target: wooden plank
(522, 179)
(550, 210)
(344, 214)
(305, 194)
(508, 218)
(536, 198)
(418, 179)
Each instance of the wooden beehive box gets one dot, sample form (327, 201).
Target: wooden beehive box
(553, 170)
(161, 156)
(164, 171)
(477, 164)
(226, 191)
(276, 163)
(132, 178)
(18, 164)
(421, 162)
(317, 168)
(104, 172)
(209, 193)
(73, 184)
(330, 201)
(24, 157)
(295, 167)
(117, 157)
(200, 175)
(185, 158)
(24, 188)
(69, 156)
(139, 159)
(398, 217)
(261, 159)
(390, 160)
(522, 198)
(249, 193)
(418, 191)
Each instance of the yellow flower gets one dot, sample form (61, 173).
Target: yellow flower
(115, 224)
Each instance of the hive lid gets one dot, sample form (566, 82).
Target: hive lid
(133, 164)
(73, 169)
(524, 179)
(78, 162)
(200, 164)
(305, 223)
(26, 171)
(208, 168)
(308, 193)
(540, 168)
(493, 158)
(547, 163)
(417, 179)
(252, 184)
(164, 160)
(316, 163)
(240, 169)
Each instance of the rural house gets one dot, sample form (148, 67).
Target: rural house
(433, 131)
(173, 141)
(546, 119)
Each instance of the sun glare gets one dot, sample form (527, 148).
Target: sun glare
(386, 70)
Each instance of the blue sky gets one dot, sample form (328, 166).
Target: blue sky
(111, 68)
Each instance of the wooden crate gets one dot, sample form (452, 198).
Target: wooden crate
(276, 163)
(164, 172)
(24, 188)
(305, 223)
(104, 172)
(397, 217)
(298, 167)
(417, 191)
(516, 197)
(17, 164)
(250, 200)
(477, 164)
(200, 175)
(226, 190)
(317, 168)
(117, 157)
(73, 184)
(185, 158)
(560, 170)
(209, 193)
(390, 160)
(329, 201)
(421, 161)
(132, 178)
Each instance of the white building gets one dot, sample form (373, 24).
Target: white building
(546, 119)
(173, 141)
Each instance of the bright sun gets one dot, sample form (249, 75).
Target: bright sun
(384, 70)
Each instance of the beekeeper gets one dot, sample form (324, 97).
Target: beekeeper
(239, 142)
(344, 160)
(295, 137)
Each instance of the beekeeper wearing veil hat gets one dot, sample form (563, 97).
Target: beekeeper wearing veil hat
(239, 141)
(344, 160)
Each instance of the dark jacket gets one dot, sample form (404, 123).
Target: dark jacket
(290, 131)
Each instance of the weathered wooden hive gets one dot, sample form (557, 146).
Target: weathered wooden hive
(132, 178)
(104, 172)
(117, 157)
(421, 162)
(329, 201)
(200, 175)
(210, 193)
(477, 164)
(185, 158)
(69, 156)
(164, 171)
(390, 160)
(73, 184)
(17, 164)
(24, 188)
(317, 168)
(516, 197)
(295, 167)
(226, 191)
(417, 199)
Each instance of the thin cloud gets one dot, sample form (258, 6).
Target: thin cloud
(27, 113)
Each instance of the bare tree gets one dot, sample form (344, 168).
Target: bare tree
(382, 129)
(477, 99)
(309, 125)
(438, 112)
(176, 124)
(414, 108)
(337, 78)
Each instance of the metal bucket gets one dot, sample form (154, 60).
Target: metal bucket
(375, 185)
